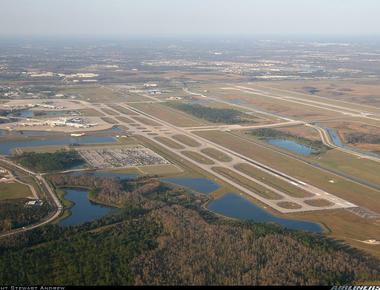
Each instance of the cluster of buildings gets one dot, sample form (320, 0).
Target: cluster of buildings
(79, 123)
(31, 106)
(5, 176)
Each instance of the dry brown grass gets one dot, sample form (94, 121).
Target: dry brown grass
(198, 157)
(279, 184)
(216, 154)
(186, 140)
(319, 202)
(289, 205)
(343, 188)
(169, 142)
(249, 184)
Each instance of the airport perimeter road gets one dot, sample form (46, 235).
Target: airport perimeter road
(326, 139)
(57, 204)
(170, 131)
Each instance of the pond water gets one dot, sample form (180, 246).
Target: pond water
(236, 206)
(6, 147)
(22, 114)
(202, 185)
(334, 137)
(292, 146)
(83, 209)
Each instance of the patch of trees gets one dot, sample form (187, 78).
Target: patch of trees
(214, 115)
(165, 237)
(268, 133)
(357, 138)
(14, 214)
(45, 162)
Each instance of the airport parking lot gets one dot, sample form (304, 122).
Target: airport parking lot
(121, 157)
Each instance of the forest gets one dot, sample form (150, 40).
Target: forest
(357, 137)
(214, 115)
(163, 235)
(14, 214)
(46, 162)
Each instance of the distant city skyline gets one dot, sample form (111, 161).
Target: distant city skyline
(194, 17)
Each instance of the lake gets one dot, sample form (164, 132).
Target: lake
(83, 209)
(202, 185)
(236, 206)
(292, 146)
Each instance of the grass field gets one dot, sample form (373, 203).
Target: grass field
(123, 110)
(289, 205)
(216, 154)
(258, 189)
(14, 191)
(198, 157)
(110, 120)
(109, 112)
(124, 119)
(343, 188)
(169, 142)
(186, 140)
(93, 93)
(279, 184)
(161, 170)
(170, 115)
(146, 121)
(318, 202)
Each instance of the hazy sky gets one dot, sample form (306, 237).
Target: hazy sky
(153, 17)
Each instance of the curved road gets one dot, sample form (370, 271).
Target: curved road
(49, 190)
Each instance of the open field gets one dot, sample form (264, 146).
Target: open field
(110, 120)
(318, 202)
(124, 119)
(170, 115)
(169, 142)
(161, 170)
(186, 140)
(216, 154)
(122, 110)
(198, 157)
(14, 190)
(109, 112)
(347, 227)
(362, 168)
(289, 205)
(341, 187)
(258, 189)
(275, 182)
(334, 159)
(90, 113)
(93, 93)
(360, 92)
(146, 121)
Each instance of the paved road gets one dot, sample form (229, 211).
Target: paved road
(57, 204)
